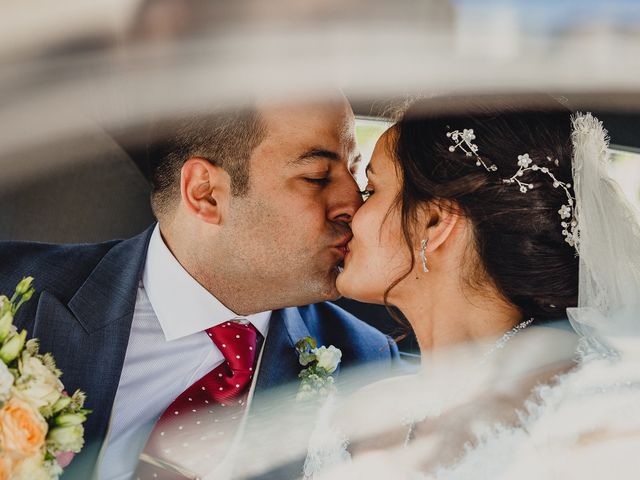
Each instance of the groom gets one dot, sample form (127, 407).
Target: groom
(253, 213)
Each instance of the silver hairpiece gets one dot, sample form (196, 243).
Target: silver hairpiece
(463, 141)
(569, 228)
(569, 223)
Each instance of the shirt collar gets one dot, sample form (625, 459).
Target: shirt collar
(182, 305)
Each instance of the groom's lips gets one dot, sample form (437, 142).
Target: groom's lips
(342, 246)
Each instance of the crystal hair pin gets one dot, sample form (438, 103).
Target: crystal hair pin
(463, 140)
(567, 220)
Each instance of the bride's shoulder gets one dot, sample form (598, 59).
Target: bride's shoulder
(380, 389)
(387, 384)
(374, 404)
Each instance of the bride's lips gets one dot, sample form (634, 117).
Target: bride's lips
(347, 252)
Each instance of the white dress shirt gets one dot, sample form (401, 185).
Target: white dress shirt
(168, 351)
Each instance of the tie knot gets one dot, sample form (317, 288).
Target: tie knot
(237, 341)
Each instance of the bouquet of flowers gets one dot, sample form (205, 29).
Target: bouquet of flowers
(40, 424)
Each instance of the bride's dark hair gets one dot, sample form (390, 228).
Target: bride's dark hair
(518, 237)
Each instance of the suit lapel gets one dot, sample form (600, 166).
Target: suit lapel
(280, 368)
(280, 361)
(89, 336)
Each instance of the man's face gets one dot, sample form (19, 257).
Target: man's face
(287, 236)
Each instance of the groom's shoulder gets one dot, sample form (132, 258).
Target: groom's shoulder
(50, 264)
(336, 326)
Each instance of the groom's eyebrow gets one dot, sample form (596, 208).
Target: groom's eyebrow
(313, 154)
(355, 162)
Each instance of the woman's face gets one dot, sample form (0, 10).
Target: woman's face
(377, 254)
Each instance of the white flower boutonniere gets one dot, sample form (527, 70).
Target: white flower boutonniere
(316, 379)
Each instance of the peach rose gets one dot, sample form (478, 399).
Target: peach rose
(22, 429)
(6, 466)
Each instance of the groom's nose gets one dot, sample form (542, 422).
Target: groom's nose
(346, 200)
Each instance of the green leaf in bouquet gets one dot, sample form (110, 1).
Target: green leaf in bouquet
(24, 286)
(5, 304)
(67, 419)
(63, 402)
(12, 347)
(6, 321)
(24, 292)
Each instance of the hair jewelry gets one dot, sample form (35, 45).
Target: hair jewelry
(463, 140)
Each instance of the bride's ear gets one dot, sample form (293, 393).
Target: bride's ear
(441, 219)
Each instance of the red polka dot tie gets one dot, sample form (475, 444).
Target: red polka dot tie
(196, 430)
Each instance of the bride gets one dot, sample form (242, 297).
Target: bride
(483, 227)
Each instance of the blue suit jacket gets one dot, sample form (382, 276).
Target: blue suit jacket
(83, 309)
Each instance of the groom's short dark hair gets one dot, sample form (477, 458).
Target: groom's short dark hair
(226, 139)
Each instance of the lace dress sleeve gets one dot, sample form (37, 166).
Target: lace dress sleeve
(328, 444)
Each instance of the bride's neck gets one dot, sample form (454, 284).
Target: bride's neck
(443, 313)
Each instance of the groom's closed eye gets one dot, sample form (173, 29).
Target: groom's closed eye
(320, 181)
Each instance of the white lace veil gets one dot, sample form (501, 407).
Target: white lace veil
(608, 311)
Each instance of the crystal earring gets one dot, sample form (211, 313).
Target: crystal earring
(423, 255)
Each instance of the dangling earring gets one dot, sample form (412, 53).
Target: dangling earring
(423, 255)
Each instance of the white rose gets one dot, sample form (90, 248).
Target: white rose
(6, 382)
(32, 468)
(53, 469)
(328, 358)
(38, 385)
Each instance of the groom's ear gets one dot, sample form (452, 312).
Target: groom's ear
(205, 189)
(441, 220)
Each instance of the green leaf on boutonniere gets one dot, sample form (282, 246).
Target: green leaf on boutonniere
(306, 343)
(306, 350)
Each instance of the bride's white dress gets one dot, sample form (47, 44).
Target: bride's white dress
(585, 426)
(583, 423)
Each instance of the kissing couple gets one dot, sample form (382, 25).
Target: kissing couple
(468, 225)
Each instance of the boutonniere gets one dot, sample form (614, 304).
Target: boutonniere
(320, 363)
